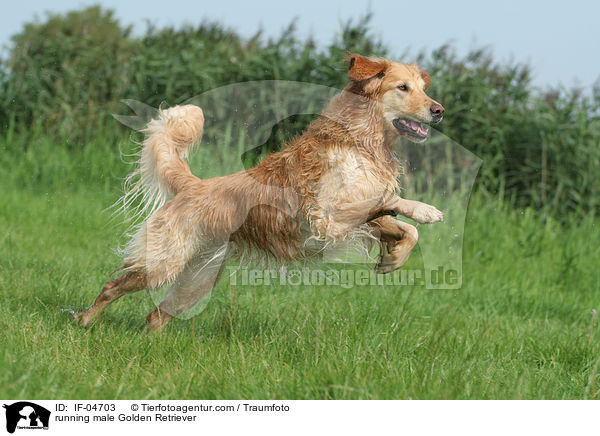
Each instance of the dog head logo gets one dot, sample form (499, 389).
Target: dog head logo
(26, 415)
(386, 99)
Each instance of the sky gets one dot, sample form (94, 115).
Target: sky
(560, 40)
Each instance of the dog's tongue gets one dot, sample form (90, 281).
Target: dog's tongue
(414, 125)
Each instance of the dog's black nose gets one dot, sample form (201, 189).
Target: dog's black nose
(437, 110)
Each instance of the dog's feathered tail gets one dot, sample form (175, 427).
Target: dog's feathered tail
(161, 170)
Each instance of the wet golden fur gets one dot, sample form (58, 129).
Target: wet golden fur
(338, 179)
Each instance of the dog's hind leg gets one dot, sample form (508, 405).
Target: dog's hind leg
(399, 238)
(195, 282)
(129, 282)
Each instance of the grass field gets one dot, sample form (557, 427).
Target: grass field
(518, 328)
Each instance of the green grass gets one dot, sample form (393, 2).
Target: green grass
(518, 328)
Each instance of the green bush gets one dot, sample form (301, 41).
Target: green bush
(65, 72)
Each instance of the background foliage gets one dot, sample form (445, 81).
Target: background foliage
(66, 74)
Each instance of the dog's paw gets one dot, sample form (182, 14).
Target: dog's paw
(394, 260)
(83, 319)
(426, 214)
(386, 265)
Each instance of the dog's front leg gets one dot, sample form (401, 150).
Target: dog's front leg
(398, 237)
(361, 212)
(347, 216)
(415, 210)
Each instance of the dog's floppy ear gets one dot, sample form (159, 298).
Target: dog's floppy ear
(362, 67)
(426, 78)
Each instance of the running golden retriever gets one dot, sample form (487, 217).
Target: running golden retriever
(335, 182)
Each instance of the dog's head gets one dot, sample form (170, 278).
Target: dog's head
(400, 89)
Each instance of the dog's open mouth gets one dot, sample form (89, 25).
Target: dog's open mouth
(410, 128)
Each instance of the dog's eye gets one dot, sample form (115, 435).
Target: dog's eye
(402, 87)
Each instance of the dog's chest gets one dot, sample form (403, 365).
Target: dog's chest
(351, 177)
